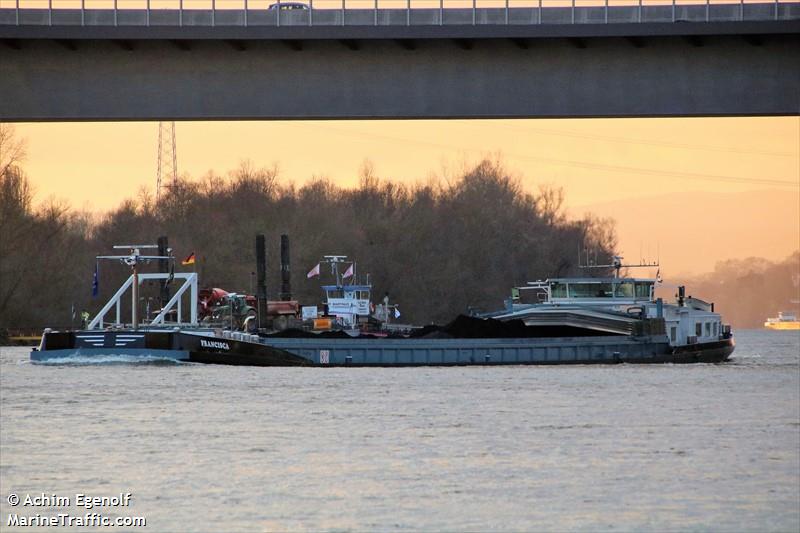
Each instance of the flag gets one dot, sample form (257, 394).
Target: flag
(95, 282)
(658, 275)
(189, 260)
(313, 272)
(396, 312)
(171, 275)
(349, 272)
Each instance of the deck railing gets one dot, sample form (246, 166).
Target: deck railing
(386, 12)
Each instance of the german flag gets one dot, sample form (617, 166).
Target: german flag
(189, 260)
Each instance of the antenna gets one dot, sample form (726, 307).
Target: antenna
(167, 173)
(617, 265)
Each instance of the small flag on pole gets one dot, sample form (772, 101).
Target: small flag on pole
(95, 282)
(396, 312)
(313, 272)
(349, 272)
(189, 260)
(171, 275)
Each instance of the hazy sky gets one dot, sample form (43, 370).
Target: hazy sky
(597, 161)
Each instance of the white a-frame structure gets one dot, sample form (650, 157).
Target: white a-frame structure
(190, 284)
(133, 260)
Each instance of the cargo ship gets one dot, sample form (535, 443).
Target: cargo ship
(596, 320)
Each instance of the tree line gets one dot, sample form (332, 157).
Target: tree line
(748, 291)
(437, 248)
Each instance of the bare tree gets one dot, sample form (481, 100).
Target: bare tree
(12, 150)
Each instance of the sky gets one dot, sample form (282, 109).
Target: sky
(612, 167)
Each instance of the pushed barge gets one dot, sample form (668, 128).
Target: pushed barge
(571, 321)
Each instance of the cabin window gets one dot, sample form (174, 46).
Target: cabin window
(642, 290)
(625, 290)
(698, 328)
(708, 329)
(605, 290)
(558, 290)
(581, 290)
(716, 330)
(591, 290)
(673, 333)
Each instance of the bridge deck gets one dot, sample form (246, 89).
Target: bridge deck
(334, 13)
(576, 59)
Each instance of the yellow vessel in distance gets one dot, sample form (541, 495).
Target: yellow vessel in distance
(785, 320)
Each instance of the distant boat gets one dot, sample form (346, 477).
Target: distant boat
(784, 320)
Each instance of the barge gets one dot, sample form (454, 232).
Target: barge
(570, 321)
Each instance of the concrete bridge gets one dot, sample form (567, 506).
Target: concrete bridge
(215, 59)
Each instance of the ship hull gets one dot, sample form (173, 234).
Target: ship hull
(381, 352)
(613, 349)
(783, 326)
(172, 345)
(709, 352)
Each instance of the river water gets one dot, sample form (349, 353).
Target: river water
(214, 448)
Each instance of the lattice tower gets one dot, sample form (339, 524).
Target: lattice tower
(167, 175)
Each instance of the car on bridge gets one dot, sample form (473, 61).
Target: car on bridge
(289, 6)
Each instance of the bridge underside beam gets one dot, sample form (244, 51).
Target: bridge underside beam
(153, 79)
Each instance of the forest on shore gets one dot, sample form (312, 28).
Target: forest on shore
(437, 248)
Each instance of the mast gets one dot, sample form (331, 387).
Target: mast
(164, 267)
(334, 261)
(135, 298)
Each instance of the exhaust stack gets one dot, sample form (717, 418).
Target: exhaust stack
(261, 284)
(286, 278)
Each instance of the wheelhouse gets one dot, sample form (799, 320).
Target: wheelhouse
(598, 291)
(351, 292)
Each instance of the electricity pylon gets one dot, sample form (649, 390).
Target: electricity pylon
(167, 175)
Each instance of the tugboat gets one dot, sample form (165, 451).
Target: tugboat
(348, 302)
(181, 340)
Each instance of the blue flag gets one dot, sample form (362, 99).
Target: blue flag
(95, 283)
